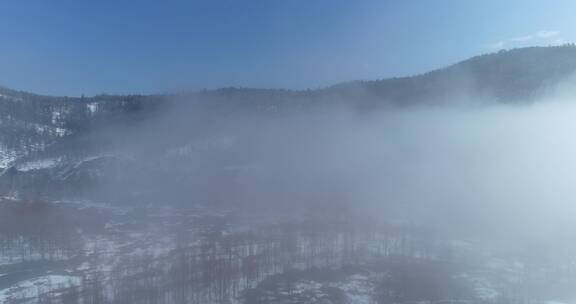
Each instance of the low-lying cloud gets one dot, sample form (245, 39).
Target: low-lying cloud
(497, 170)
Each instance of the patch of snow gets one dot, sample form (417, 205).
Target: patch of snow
(7, 157)
(92, 107)
(358, 289)
(483, 288)
(38, 164)
(87, 204)
(209, 144)
(56, 117)
(62, 132)
(31, 288)
(4, 96)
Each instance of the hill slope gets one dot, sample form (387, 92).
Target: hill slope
(61, 142)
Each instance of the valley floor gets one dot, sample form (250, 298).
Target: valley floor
(111, 254)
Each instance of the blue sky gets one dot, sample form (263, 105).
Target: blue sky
(70, 47)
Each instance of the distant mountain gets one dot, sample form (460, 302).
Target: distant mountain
(513, 76)
(508, 76)
(42, 133)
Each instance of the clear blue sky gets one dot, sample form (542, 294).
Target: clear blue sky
(70, 47)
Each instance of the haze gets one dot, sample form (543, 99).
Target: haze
(287, 152)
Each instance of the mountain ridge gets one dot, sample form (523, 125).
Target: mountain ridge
(524, 54)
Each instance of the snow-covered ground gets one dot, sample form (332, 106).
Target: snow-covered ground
(30, 289)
